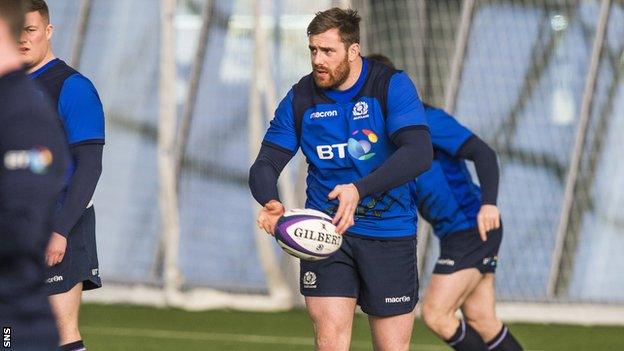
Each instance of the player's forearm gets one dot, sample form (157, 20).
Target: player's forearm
(486, 165)
(265, 171)
(88, 160)
(413, 157)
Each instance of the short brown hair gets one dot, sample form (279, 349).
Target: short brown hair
(39, 6)
(12, 12)
(347, 21)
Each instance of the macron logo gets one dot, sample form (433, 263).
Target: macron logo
(398, 299)
(56, 278)
(446, 262)
(323, 114)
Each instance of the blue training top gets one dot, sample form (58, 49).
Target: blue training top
(446, 195)
(78, 105)
(345, 135)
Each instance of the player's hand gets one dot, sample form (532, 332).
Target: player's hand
(269, 215)
(348, 197)
(488, 219)
(56, 249)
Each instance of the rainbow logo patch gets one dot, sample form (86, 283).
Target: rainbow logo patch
(361, 143)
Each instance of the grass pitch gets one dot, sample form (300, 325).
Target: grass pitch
(120, 327)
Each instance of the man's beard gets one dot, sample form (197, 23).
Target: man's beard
(334, 77)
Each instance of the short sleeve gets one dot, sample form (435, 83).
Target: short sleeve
(446, 133)
(403, 105)
(81, 111)
(282, 131)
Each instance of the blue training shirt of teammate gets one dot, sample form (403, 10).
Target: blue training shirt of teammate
(79, 108)
(445, 195)
(345, 135)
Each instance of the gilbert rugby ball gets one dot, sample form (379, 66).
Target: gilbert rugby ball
(307, 234)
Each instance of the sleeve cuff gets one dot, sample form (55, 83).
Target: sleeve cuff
(361, 188)
(62, 231)
(488, 202)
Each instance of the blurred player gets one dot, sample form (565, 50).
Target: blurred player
(71, 253)
(362, 128)
(467, 222)
(33, 157)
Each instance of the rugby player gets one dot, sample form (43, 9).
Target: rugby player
(362, 128)
(33, 158)
(467, 221)
(71, 253)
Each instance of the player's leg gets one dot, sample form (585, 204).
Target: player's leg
(80, 273)
(464, 258)
(388, 289)
(332, 318)
(479, 310)
(445, 294)
(66, 307)
(330, 287)
(392, 333)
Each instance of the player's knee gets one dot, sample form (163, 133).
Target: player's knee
(332, 335)
(332, 327)
(478, 313)
(435, 317)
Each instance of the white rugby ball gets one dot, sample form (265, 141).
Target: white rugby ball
(307, 234)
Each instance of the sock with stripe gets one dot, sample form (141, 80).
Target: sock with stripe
(73, 346)
(466, 339)
(504, 341)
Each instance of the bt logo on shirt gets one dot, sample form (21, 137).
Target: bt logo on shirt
(326, 152)
(359, 145)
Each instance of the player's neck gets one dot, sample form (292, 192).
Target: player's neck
(11, 60)
(354, 75)
(48, 57)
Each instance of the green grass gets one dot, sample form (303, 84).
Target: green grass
(119, 327)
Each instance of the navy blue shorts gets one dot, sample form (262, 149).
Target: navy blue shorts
(381, 274)
(80, 263)
(465, 249)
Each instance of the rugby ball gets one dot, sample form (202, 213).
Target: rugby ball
(307, 234)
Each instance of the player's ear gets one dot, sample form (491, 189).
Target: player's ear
(353, 51)
(49, 30)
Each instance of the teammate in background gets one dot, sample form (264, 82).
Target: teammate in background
(362, 128)
(71, 253)
(467, 222)
(33, 158)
